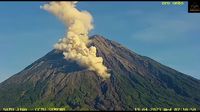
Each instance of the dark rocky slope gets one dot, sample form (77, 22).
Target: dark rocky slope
(136, 81)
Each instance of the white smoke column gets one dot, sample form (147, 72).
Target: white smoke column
(74, 44)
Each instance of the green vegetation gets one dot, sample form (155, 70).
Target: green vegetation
(136, 82)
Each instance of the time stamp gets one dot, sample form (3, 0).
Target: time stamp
(177, 3)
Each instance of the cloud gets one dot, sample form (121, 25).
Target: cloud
(74, 43)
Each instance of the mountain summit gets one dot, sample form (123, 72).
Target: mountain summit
(136, 81)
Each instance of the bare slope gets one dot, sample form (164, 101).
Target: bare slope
(136, 81)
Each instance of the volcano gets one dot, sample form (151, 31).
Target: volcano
(136, 81)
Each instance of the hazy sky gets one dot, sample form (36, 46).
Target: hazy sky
(168, 34)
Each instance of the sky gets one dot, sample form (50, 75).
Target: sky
(167, 34)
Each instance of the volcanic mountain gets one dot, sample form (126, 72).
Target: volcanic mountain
(136, 81)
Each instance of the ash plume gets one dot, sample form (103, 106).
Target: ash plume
(74, 43)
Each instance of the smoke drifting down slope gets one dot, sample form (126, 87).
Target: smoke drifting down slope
(74, 43)
(136, 82)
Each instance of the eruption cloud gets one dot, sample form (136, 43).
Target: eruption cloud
(74, 43)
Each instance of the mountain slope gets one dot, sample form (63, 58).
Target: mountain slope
(136, 81)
